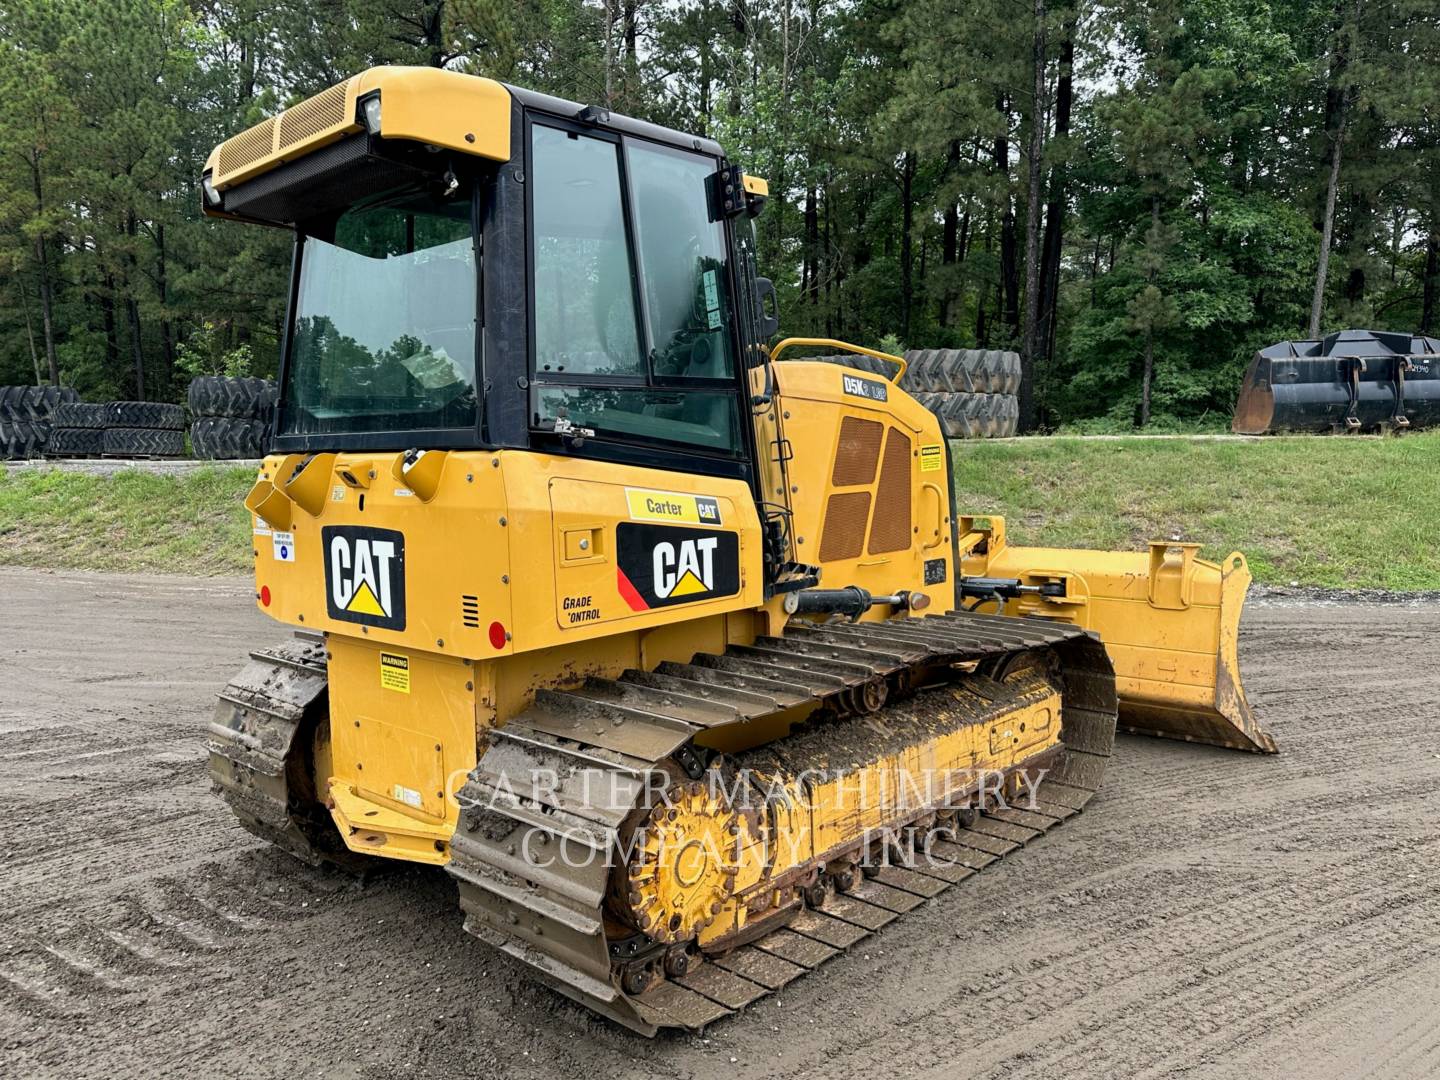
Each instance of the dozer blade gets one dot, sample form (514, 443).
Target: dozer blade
(1169, 620)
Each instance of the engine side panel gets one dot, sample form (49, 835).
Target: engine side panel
(869, 483)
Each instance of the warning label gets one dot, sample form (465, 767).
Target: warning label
(395, 672)
(932, 458)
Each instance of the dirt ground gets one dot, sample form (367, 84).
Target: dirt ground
(1210, 914)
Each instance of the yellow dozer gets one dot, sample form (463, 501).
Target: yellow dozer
(679, 660)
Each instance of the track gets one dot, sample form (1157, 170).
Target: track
(553, 920)
(1211, 914)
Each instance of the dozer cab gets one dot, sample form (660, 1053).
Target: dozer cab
(678, 659)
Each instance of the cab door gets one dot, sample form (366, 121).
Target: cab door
(633, 346)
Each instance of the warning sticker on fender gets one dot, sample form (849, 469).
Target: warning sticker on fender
(932, 458)
(395, 672)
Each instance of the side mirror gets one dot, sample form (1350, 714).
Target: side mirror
(767, 323)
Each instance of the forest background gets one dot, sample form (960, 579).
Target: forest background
(1133, 195)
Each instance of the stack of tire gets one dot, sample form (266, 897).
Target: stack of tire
(26, 416)
(78, 431)
(971, 391)
(143, 429)
(232, 416)
(131, 429)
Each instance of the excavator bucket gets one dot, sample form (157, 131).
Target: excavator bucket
(1354, 380)
(1169, 620)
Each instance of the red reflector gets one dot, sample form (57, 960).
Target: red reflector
(497, 635)
(265, 595)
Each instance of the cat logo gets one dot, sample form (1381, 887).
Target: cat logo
(661, 565)
(686, 568)
(365, 575)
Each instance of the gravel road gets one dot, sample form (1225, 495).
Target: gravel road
(1210, 914)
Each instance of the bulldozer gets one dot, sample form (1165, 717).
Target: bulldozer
(679, 659)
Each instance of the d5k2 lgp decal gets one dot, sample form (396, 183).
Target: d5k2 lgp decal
(661, 565)
(365, 575)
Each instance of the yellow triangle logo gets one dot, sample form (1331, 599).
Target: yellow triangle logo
(364, 602)
(688, 585)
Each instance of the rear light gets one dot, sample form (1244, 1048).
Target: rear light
(264, 595)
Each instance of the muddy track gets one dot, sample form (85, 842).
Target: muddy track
(1211, 914)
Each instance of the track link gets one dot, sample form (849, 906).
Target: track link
(260, 745)
(595, 747)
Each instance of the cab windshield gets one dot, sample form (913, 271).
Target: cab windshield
(383, 337)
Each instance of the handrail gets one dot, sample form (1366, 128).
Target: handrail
(845, 345)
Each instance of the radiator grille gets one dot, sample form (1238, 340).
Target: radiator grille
(857, 453)
(470, 610)
(891, 530)
(845, 517)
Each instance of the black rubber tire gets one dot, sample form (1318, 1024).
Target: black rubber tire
(30, 402)
(13, 402)
(75, 442)
(226, 438)
(10, 440)
(243, 398)
(1010, 416)
(1011, 382)
(144, 442)
(42, 401)
(18, 440)
(33, 402)
(962, 371)
(78, 414)
(973, 416)
(145, 414)
(202, 437)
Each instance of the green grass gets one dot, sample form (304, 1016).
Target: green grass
(191, 523)
(1337, 512)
